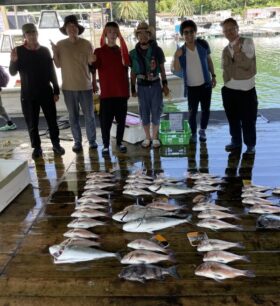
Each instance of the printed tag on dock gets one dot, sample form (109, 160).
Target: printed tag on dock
(160, 240)
(196, 237)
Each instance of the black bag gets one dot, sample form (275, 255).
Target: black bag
(4, 77)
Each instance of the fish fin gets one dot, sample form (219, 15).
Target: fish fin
(245, 258)
(173, 272)
(171, 257)
(142, 280)
(118, 256)
(239, 227)
(124, 215)
(249, 273)
(240, 245)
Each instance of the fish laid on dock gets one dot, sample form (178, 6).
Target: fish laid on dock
(254, 194)
(145, 257)
(150, 225)
(215, 224)
(99, 174)
(170, 190)
(216, 214)
(165, 206)
(135, 185)
(217, 245)
(80, 233)
(199, 198)
(223, 257)
(88, 213)
(219, 271)
(144, 244)
(99, 185)
(268, 222)
(255, 200)
(208, 206)
(97, 192)
(264, 209)
(258, 188)
(92, 199)
(142, 272)
(206, 188)
(90, 205)
(85, 223)
(79, 242)
(136, 192)
(276, 191)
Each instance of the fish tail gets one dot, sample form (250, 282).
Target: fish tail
(249, 273)
(118, 256)
(240, 245)
(245, 258)
(171, 257)
(239, 227)
(173, 272)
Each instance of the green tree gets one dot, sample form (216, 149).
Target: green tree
(182, 8)
(131, 10)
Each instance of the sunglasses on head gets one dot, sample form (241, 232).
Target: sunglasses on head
(186, 32)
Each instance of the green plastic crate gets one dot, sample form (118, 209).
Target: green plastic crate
(168, 137)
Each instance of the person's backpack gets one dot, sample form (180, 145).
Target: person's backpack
(4, 77)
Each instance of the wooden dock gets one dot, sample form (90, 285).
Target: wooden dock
(38, 217)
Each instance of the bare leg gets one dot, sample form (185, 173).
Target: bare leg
(155, 131)
(147, 131)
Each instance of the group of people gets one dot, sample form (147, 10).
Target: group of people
(80, 63)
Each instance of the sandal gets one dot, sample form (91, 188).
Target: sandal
(146, 143)
(156, 143)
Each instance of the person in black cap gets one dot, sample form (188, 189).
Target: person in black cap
(36, 69)
(74, 55)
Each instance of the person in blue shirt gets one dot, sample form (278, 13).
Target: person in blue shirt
(193, 63)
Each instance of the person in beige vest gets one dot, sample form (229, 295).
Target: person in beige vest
(239, 93)
(74, 55)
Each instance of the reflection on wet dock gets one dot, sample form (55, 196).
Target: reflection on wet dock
(38, 217)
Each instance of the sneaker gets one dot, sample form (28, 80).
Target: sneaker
(8, 127)
(193, 138)
(93, 145)
(122, 148)
(202, 135)
(232, 146)
(146, 143)
(37, 152)
(156, 143)
(77, 148)
(58, 149)
(250, 150)
(105, 151)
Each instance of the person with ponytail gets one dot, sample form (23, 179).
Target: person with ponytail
(112, 61)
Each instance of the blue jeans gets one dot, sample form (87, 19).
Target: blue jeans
(74, 99)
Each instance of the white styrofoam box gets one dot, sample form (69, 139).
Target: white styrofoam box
(14, 177)
(133, 133)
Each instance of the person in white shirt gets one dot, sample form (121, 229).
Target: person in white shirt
(194, 62)
(239, 94)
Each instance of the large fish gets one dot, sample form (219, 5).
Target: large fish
(206, 188)
(85, 223)
(139, 175)
(255, 200)
(98, 192)
(197, 176)
(209, 181)
(219, 271)
(79, 242)
(170, 190)
(217, 245)
(99, 180)
(223, 257)
(165, 206)
(152, 224)
(99, 185)
(141, 273)
(144, 244)
(199, 198)
(215, 224)
(256, 188)
(99, 174)
(264, 209)
(135, 185)
(73, 254)
(216, 214)
(268, 222)
(208, 206)
(136, 192)
(276, 191)
(90, 206)
(92, 199)
(144, 256)
(88, 213)
(80, 233)
(134, 212)
(140, 181)
(254, 194)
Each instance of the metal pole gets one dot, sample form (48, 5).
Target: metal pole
(152, 13)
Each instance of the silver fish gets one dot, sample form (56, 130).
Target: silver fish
(98, 192)
(256, 188)
(80, 233)
(79, 242)
(219, 271)
(199, 198)
(134, 212)
(92, 199)
(144, 244)
(255, 200)
(85, 223)
(264, 209)
(137, 180)
(99, 185)
(90, 206)
(209, 181)
(99, 174)
(88, 213)
(254, 194)
(143, 256)
(165, 206)
(217, 245)
(141, 273)
(139, 174)
(136, 192)
(99, 180)
(215, 224)
(223, 257)
(276, 191)
(208, 206)
(150, 225)
(135, 186)
(206, 188)
(73, 254)
(170, 190)
(216, 214)
(268, 222)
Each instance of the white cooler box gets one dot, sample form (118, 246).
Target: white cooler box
(14, 177)
(133, 132)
